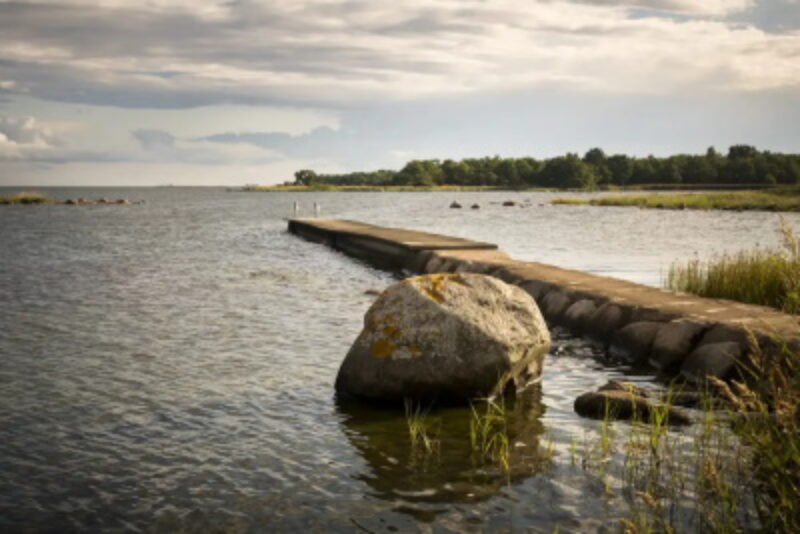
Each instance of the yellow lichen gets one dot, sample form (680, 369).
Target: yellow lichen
(382, 347)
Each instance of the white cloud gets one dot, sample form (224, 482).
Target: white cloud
(21, 137)
(328, 52)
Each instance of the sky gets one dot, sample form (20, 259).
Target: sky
(186, 92)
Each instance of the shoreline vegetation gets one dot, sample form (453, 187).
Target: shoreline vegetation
(742, 166)
(321, 187)
(768, 277)
(26, 198)
(772, 199)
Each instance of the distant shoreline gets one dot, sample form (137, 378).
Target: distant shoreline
(322, 188)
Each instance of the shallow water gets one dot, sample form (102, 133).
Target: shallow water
(169, 366)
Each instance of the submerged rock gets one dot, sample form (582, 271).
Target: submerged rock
(618, 400)
(445, 337)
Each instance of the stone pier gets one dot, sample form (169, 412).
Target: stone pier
(675, 333)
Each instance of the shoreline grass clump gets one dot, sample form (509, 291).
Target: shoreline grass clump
(737, 469)
(488, 434)
(769, 277)
(26, 198)
(777, 199)
(422, 434)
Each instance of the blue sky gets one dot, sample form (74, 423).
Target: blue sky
(147, 92)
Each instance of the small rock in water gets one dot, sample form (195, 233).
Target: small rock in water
(375, 292)
(509, 203)
(616, 385)
(613, 403)
(475, 206)
(455, 205)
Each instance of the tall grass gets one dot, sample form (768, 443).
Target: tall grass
(736, 470)
(488, 433)
(422, 434)
(770, 277)
(777, 199)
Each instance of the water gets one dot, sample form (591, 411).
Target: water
(169, 366)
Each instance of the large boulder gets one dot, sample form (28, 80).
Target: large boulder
(445, 337)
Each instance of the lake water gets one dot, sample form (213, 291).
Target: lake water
(169, 366)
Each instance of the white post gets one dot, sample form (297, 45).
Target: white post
(316, 209)
(296, 208)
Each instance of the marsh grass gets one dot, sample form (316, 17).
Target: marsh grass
(778, 199)
(488, 433)
(769, 277)
(737, 469)
(423, 434)
(26, 198)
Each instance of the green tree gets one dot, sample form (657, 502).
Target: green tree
(305, 177)
(567, 171)
(620, 168)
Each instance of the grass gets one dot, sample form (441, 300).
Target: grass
(777, 199)
(488, 434)
(26, 198)
(736, 470)
(422, 434)
(767, 277)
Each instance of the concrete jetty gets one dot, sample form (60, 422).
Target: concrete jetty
(676, 333)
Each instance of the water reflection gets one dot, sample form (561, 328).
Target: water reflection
(455, 472)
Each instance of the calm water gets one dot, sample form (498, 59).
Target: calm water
(169, 366)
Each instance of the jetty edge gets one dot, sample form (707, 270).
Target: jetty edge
(675, 333)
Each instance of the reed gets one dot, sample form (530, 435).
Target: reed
(769, 277)
(423, 435)
(736, 470)
(488, 433)
(778, 199)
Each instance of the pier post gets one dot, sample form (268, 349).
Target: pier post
(296, 208)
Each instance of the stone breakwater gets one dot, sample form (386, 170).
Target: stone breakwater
(675, 333)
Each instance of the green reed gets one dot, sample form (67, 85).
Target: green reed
(769, 277)
(423, 434)
(488, 433)
(778, 199)
(737, 469)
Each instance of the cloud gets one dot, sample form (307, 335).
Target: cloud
(688, 7)
(24, 137)
(154, 140)
(163, 147)
(344, 53)
(25, 131)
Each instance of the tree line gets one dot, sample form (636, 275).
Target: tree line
(742, 165)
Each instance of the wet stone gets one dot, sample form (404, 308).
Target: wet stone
(626, 405)
(634, 342)
(554, 305)
(605, 321)
(536, 288)
(673, 342)
(576, 317)
(713, 359)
